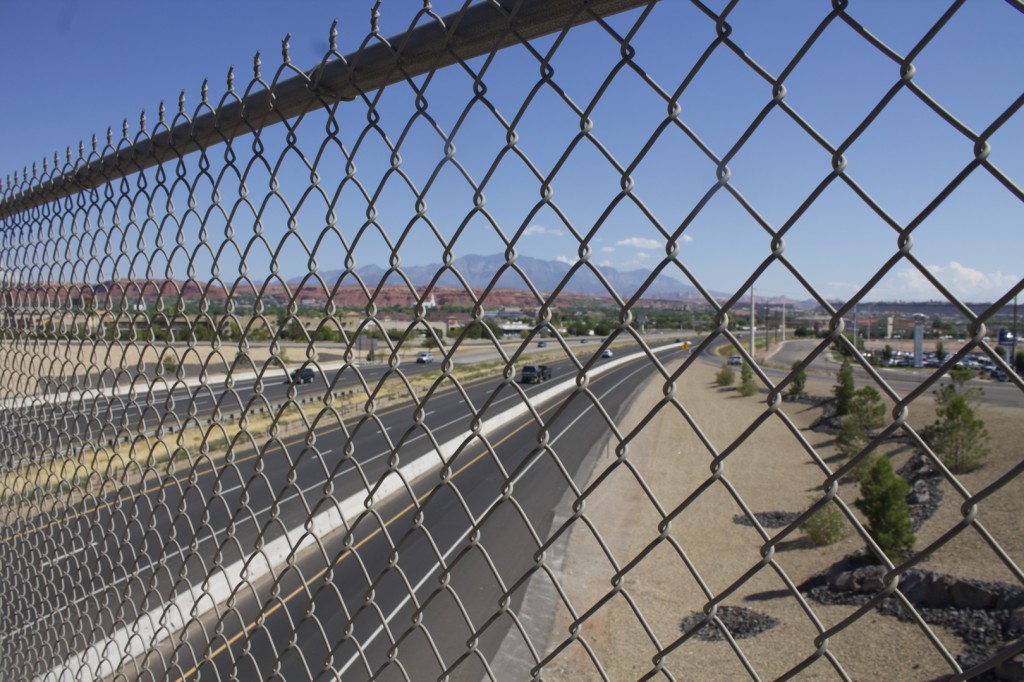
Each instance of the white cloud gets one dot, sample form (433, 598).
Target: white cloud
(626, 265)
(687, 239)
(608, 249)
(566, 260)
(642, 255)
(639, 243)
(964, 282)
(843, 288)
(540, 229)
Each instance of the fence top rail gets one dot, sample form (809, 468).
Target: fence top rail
(471, 32)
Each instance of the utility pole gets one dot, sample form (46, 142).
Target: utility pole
(1013, 343)
(783, 321)
(753, 324)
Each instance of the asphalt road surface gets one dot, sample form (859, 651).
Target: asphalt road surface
(113, 558)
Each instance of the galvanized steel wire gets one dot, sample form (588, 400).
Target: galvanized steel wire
(105, 243)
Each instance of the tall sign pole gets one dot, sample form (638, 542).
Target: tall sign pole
(753, 323)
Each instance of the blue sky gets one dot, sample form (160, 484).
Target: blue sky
(81, 67)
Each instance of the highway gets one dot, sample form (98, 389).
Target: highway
(116, 557)
(385, 596)
(425, 583)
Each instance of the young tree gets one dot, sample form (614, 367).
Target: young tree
(883, 503)
(747, 385)
(825, 526)
(327, 333)
(867, 413)
(940, 351)
(170, 364)
(844, 388)
(725, 376)
(958, 436)
(799, 383)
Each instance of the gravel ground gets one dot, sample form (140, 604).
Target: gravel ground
(704, 551)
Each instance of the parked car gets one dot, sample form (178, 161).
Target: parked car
(424, 357)
(606, 353)
(999, 375)
(534, 374)
(303, 376)
(542, 344)
(735, 360)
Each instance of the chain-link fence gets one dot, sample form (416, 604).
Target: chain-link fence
(267, 413)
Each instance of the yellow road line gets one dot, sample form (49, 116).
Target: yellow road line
(319, 574)
(212, 468)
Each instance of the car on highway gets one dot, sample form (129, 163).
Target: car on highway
(607, 353)
(998, 374)
(303, 376)
(534, 374)
(735, 360)
(424, 357)
(542, 344)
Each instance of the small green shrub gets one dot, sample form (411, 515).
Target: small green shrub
(958, 435)
(725, 376)
(884, 505)
(747, 385)
(825, 526)
(170, 364)
(799, 383)
(861, 468)
(844, 388)
(865, 414)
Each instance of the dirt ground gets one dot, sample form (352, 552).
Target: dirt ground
(703, 552)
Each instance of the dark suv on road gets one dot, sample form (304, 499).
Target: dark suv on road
(534, 374)
(303, 376)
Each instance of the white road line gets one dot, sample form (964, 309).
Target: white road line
(62, 557)
(394, 612)
(125, 641)
(212, 536)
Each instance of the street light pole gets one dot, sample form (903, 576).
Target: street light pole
(752, 322)
(1013, 343)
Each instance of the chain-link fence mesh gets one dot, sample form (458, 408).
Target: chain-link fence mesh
(250, 432)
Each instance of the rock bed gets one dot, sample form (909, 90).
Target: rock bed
(985, 615)
(741, 621)
(924, 495)
(772, 519)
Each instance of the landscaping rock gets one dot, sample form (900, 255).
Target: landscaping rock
(967, 594)
(924, 495)
(742, 622)
(1011, 670)
(772, 519)
(978, 612)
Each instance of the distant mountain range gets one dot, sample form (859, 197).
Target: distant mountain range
(546, 275)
